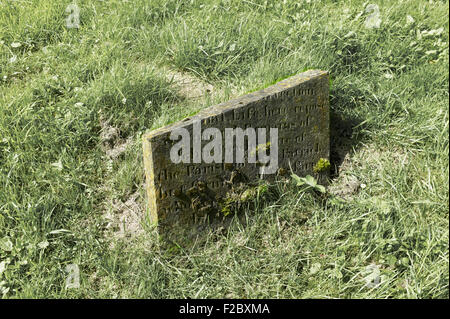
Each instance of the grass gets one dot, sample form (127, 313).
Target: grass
(57, 85)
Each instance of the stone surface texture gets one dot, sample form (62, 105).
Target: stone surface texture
(181, 195)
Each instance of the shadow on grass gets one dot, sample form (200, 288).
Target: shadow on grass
(345, 127)
(343, 140)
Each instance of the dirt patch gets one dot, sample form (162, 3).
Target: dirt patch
(346, 184)
(346, 187)
(124, 218)
(189, 86)
(112, 143)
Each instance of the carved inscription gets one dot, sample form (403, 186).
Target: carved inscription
(297, 107)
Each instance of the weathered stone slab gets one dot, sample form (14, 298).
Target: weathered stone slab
(179, 194)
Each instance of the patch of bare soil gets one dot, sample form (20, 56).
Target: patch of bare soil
(188, 85)
(124, 218)
(112, 143)
(345, 187)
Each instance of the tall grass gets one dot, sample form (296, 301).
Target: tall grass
(57, 85)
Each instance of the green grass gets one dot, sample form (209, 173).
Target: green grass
(56, 87)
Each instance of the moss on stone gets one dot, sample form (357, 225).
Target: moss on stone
(240, 195)
(322, 165)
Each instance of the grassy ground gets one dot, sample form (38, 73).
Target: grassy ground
(62, 88)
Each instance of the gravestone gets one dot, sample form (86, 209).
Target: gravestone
(188, 177)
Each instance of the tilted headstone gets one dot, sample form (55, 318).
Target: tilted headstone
(193, 164)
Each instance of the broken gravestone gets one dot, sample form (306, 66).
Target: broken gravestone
(191, 166)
